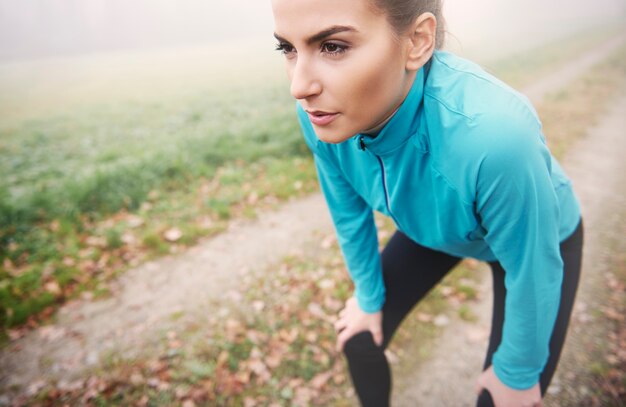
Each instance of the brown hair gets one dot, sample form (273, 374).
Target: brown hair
(402, 13)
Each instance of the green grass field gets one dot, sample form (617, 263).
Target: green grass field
(102, 156)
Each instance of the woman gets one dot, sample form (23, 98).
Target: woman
(457, 160)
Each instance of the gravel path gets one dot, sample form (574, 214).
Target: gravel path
(147, 297)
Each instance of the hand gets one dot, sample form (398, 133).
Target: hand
(353, 320)
(505, 396)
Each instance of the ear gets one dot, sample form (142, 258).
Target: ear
(421, 41)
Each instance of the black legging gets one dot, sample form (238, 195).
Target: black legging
(410, 271)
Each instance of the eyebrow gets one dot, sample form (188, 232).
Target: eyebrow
(323, 34)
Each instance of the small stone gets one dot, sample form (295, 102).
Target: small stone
(441, 320)
(92, 358)
(392, 358)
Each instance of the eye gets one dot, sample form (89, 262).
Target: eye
(332, 48)
(285, 48)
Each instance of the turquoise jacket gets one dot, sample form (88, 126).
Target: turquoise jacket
(463, 168)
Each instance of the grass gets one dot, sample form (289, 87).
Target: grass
(217, 362)
(78, 182)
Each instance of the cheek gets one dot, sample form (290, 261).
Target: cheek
(373, 84)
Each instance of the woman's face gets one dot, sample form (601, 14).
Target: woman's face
(347, 68)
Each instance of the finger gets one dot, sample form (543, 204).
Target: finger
(478, 386)
(340, 324)
(342, 338)
(342, 313)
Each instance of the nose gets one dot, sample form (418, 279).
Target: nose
(304, 83)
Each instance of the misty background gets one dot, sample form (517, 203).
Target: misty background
(43, 28)
(56, 55)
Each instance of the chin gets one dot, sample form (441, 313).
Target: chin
(332, 136)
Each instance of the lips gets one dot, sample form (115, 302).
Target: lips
(320, 118)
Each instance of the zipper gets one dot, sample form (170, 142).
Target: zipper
(384, 177)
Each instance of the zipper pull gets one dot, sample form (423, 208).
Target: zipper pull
(361, 143)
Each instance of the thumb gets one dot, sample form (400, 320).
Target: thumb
(378, 336)
(479, 386)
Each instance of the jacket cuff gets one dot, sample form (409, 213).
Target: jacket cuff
(514, 380)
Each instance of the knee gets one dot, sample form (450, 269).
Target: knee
(362, 346)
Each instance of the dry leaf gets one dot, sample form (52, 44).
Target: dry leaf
(316, 310)
(258, 305)
(613, 314)
(53, 288)
(320, 380)
(328, 241)
(422, 317)
(253, 198)
(249, 402)
(134, 221)
(51, 333)
(96, 241)
(129, 238)
(173, 234)
(446, 291)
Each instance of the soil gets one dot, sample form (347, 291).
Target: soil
(146, 298)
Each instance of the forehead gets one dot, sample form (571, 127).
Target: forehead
(302, 18)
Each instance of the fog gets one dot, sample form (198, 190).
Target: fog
(42, 28)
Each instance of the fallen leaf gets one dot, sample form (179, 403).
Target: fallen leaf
(249, 402)
(96, 241)
(422, 317)
(316, 310)
(15, 334)
(320, 380)
(253, 198)
(222, 358)
(476, 334)
(328, 242)
(189, 403)
(53, 288)
(613, 314)
(258, 305)
(134, 221)
(173, 234)
(143, 401)
(55, 225)
(289, 336)
(274, 360)
(446, 290)
(35, 387)
(129, 238)
(51, 333)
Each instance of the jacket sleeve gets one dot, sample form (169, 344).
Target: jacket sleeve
(518, 208)
(353, 220)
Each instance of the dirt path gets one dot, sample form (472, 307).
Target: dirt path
(597, 168)
(149, 295)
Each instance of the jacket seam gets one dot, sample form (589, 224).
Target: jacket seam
(452, 186)
(482, 78)
(444, 104)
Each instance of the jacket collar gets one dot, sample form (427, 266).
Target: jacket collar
(401, 126)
